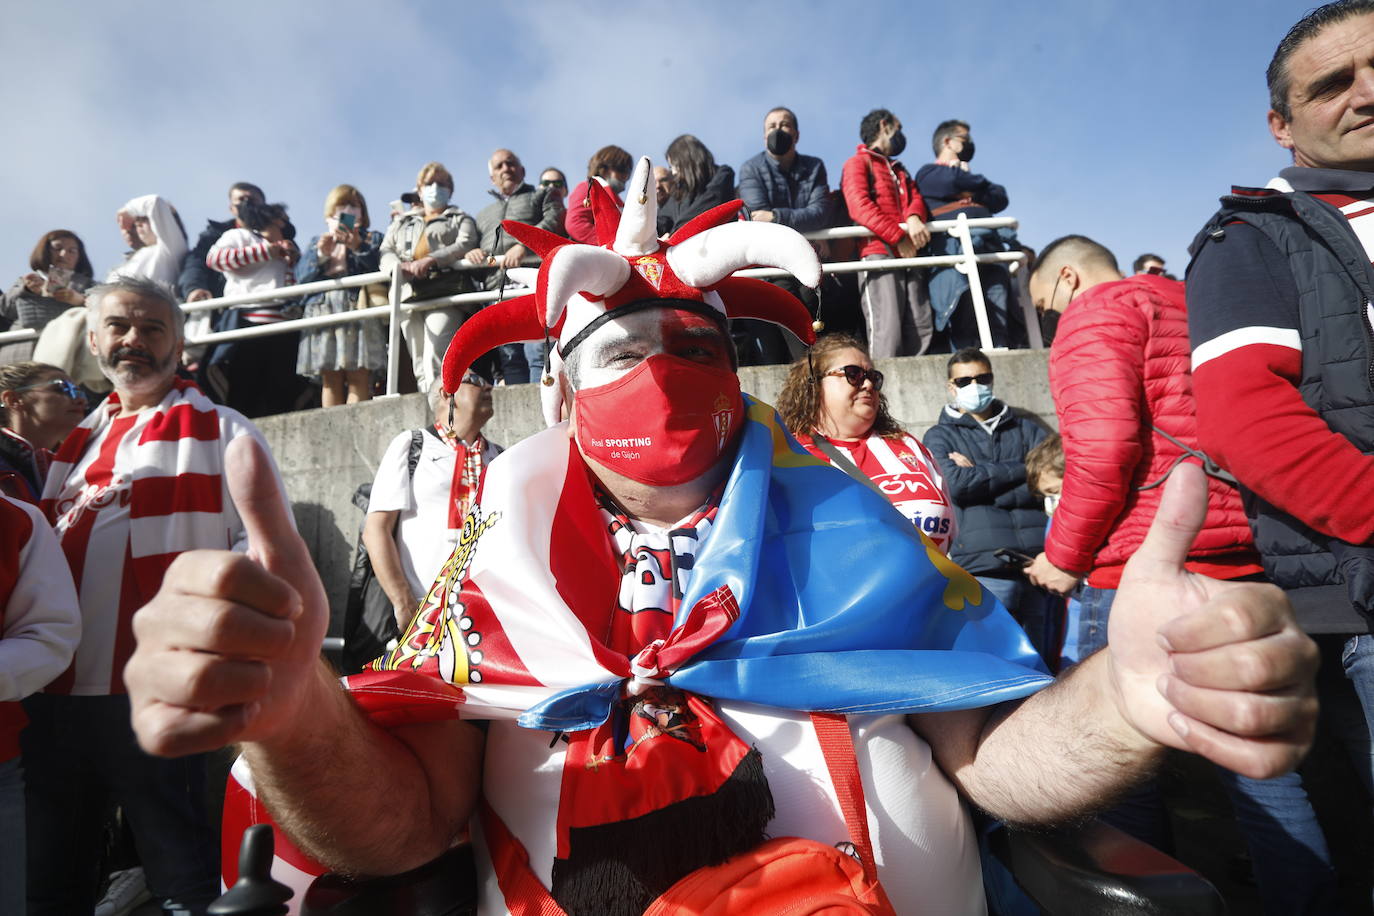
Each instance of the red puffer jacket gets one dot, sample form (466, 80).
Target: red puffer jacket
(1120, 365)
(880, 194)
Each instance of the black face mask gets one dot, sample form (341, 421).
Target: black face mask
(779, 142)
(896, 144)
(1049, 323)
(966, 154)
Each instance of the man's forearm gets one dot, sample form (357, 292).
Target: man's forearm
(360, 799)
(386, 564)
(1058, 755)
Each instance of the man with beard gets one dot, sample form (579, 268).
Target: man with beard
(135, 485)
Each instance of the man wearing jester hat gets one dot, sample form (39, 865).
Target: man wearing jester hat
(665, 609)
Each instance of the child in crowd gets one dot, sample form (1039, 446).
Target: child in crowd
(1045, 477)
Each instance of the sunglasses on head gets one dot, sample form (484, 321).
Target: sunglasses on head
(855, 376)
(982, 378)
(66, 387)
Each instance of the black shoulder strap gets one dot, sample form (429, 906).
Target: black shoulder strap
(1209, 467)
(417, 442)
(841, 461)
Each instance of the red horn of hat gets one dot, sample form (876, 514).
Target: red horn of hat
(497, 324)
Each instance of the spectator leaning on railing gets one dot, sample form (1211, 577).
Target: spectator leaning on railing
(59, 272)
(256, 377)
(883, 198)
(523, 203)
(781, 185)
(949, 188)
(342, 356)
(197, 281)
(424, 244)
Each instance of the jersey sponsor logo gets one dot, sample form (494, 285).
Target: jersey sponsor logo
(914, 485)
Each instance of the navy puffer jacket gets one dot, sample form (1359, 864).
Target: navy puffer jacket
(994, 507)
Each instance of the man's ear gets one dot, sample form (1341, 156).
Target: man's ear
(569, 404)
(90, 343)
(1279, 127)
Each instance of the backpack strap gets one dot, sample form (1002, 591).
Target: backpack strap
(417, 444)
(521, 891)
(837, 745)
(843, 463)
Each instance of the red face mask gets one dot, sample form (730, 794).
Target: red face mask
(667, 421)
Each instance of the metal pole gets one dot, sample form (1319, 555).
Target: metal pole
(975, 282)
(393, 353)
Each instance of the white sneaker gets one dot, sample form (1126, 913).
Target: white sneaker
(128, 888)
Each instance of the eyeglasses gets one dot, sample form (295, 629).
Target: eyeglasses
(855, 376)
(66, 387)
(552, 183)
(1156, 269)
(982, 378)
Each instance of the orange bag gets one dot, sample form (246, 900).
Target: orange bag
(787, 875)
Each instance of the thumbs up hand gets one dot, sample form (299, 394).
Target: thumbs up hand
(228, 648)
(1200, 664)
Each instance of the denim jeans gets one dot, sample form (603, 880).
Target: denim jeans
(1292, 863)
(534, 357)
(514, 368)
(1094, 606)
(79, 753)
(1357, 657)
(12, 837)
(1030, 606)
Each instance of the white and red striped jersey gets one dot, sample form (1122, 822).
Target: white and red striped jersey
(40, 622)
(133, 493)
(245, 259)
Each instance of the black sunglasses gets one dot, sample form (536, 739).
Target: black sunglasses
(552, 183)
(982, 378)
(855, 376)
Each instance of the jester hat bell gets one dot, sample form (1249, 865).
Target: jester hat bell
(581, 286)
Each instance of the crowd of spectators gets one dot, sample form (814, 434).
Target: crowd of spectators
(441, 250)
(1045, 522)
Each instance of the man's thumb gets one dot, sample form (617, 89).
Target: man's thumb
(258, 498)
(1182, 510)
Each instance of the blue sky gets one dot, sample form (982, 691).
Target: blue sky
(1121, 121)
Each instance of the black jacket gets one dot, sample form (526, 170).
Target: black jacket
(677, 213)
(993, 506)
(194, 272)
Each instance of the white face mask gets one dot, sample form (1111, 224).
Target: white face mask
(434, 195)
(1051, 503)
(973, 397)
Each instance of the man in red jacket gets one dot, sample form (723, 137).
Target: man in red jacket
(1122, 391)
(881, 196)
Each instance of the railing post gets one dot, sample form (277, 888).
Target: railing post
(975, 281)
(393, 350)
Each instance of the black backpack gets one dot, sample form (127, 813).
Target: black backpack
(369, 623)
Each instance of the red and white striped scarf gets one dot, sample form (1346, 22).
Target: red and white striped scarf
(172, 476)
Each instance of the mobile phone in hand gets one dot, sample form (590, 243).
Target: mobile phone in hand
(347, 221)
(1012, 557)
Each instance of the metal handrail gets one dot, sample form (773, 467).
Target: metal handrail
(966, 261)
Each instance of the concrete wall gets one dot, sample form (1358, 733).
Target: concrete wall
(325, 454)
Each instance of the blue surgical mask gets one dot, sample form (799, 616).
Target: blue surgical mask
(434, 196)
(973, 397)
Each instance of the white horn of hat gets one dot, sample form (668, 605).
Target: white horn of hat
(709, 257)
(638, 231)
(576, 269)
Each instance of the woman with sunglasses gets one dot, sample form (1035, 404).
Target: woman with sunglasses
(833, 403)
(39, 406)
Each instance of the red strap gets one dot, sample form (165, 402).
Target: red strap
(520, 889)
(838, 748)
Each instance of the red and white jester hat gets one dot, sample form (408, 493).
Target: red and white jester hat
(578, 284)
